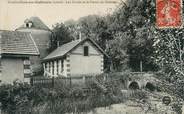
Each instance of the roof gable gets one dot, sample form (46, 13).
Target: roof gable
(37, 23)
(68, 47)
(17, 43)
(92, 49)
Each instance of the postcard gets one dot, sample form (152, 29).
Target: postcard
(91, 57)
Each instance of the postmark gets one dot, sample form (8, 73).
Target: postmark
(168, 13)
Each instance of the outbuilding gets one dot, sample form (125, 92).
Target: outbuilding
(76, 58)
(15, 50)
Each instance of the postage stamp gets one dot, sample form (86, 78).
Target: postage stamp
(168, 13)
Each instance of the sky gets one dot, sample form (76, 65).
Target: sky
(12, 15)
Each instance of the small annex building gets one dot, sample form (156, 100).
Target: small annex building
(76, 58)
(15, 50)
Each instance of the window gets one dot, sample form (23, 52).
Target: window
(27, 67)
(86, 50)
(29, 24)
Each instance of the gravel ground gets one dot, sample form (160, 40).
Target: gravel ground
(130, 107)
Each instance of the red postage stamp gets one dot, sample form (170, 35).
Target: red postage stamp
(168, 13)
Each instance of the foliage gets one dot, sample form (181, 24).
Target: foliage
(14, 97)
(117, 50)
(60, 35)
(169, 46)
(177, 107)
(60, 99)
(139, 24)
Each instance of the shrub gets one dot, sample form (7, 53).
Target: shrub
(14, 97)
(61, 98)
(177, 107)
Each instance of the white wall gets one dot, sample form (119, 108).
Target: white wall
(81, 65)
(12, 69)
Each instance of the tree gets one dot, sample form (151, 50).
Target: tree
(61, 35)
(169, 44)
(117, 49)
(136, 18)
(73, 27)
(95, 27)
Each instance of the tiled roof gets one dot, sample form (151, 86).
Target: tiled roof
(64, 49)
(37, 24)
(17, 43)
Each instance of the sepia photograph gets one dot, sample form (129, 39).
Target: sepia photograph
(91, 57)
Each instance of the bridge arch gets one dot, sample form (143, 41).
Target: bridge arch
(150, 86)
(134, 85)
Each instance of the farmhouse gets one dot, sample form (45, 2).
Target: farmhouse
(76, 58)
(15, 50)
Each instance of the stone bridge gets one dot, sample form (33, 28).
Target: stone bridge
(139, 80)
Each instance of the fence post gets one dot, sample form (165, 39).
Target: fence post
(31, 81)
(70, 81)
(52, 81)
